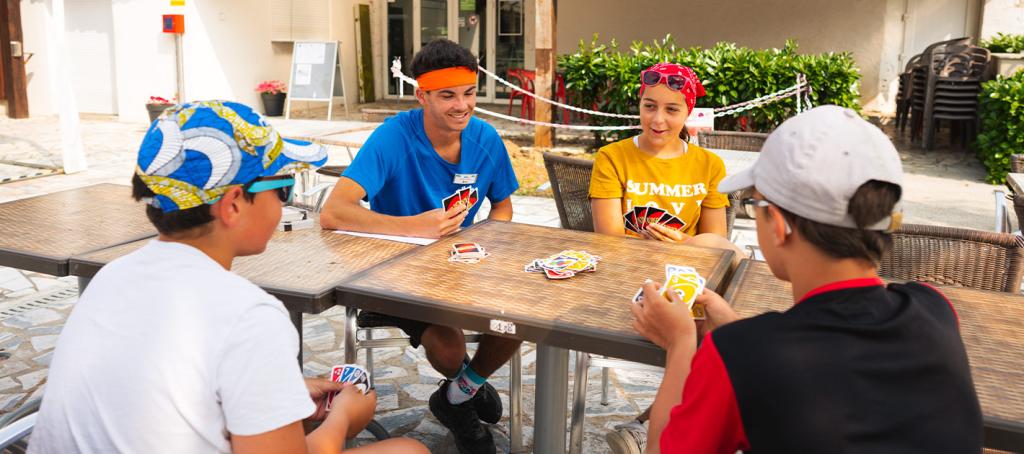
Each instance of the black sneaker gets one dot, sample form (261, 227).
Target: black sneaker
(471, 437)
(487, 404)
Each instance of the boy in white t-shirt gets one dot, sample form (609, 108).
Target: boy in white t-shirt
(168, 350)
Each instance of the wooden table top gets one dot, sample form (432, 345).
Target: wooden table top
(588, 312)
(301, 268)
(990, 325)
(41, 233)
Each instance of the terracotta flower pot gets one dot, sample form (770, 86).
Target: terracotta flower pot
(273, 104)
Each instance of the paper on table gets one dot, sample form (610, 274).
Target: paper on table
(400, 239)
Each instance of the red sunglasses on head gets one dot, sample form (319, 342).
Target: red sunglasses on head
(674, 81)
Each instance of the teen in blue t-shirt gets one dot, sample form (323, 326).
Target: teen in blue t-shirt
(403, 175)
(407, 167)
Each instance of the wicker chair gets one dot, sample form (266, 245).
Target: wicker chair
(1017, 166)
(570, 181)
(731, 140)
(1017, 163)
(954, 256)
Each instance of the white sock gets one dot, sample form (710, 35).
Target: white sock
(464, 386)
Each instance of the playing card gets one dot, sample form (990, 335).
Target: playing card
(451, 201)
(688, 284)
(653, 215)
(671, 222)
(564, 265)
(336, 373)
(555, 274)
(630, 218)
(641, 217)
(473, 197)
(348, 373)
(638, 296)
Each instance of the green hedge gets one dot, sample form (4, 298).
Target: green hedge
(602, 75)
(1002, 43)
(1001, 108)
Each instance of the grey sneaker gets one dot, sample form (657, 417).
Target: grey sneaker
(629, 438)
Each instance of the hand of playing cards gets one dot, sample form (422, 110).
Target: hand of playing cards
(643, 216)
(686, 282)
(349, 373)
(465, 196)
(564, 265)
(467, 253)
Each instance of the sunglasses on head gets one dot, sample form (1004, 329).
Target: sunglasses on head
(674, 81)
(283, 185)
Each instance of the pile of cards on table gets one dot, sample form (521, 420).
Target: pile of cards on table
(467, 253)
(564, 265)
(349, 373)
(643, 216)
(686, 282)
(465, 196)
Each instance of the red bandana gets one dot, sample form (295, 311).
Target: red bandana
(691, 90)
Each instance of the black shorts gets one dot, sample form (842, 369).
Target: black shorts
(412, 328)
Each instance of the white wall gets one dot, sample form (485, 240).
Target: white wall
(227, 49)
(89, 37)
(872, 30)
(1002, 16)
(35, 17)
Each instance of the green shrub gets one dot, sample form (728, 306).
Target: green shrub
(602, 75)
(1002, 43)
(1001, 108)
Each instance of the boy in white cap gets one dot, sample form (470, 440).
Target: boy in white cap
(168, 350)
(855, 365)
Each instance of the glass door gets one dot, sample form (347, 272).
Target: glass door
(493, 30)
(401, 41)
(472, 33)
(411, 24)
(510, 43)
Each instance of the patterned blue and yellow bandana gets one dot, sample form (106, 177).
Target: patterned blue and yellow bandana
(197, 151)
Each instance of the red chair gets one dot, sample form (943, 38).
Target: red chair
(526, 79)
(526, 83)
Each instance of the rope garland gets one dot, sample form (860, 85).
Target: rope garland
(801, 90)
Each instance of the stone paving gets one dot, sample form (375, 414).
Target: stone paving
(33, 307)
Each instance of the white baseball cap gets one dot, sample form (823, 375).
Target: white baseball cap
(813, 163)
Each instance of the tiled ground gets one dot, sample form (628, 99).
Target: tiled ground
(404, 378)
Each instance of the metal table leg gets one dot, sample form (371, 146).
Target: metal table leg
(515, 399)
(351, 351)
(550, 399)
(297, 323)
(579, 403)
(83, 282)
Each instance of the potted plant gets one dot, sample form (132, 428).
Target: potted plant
(1008, 52)
(156, 106)
(273, 94)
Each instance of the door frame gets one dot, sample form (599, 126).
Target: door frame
(15, 80)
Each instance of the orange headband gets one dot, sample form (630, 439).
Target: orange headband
(446, 78)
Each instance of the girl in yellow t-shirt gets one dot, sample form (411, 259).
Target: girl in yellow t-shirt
(659, 168)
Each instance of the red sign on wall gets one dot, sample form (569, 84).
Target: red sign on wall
(174, 23)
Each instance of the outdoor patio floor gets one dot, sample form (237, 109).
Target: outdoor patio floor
(943, 187)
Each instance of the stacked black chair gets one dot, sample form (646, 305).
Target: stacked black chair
(905, 93)
(956, 89)
(922, 80)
